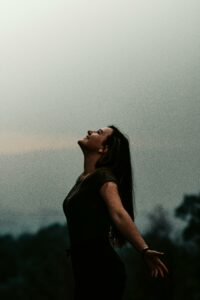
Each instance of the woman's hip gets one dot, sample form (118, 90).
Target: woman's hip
(98, 261)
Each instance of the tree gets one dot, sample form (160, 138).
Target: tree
(189, 210)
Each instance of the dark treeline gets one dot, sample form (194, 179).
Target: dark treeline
(36, 266)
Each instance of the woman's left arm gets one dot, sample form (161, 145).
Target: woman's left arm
(120, 217)
(125, 224)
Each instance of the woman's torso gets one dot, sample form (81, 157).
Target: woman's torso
(85, 210)
(99, 272)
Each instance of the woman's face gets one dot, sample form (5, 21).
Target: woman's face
(95, 138)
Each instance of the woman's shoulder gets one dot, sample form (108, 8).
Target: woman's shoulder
(105, 174)
(104, 171)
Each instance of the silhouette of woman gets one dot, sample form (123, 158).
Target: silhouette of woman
(100, 215)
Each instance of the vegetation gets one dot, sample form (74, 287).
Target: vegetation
(36, 266)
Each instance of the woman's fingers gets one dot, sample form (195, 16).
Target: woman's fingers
(161, 272)
(157, 267)
(153, 273)
(158, 253)
(163, 266)
(157, 271)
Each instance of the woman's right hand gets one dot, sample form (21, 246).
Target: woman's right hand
(156, 266)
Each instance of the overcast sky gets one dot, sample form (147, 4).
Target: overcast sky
(69, 66)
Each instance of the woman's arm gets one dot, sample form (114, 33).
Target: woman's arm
(120, 217)
(125, 224)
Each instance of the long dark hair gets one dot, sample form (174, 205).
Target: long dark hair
(118, 160)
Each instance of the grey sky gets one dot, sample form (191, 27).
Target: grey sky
(68, 66)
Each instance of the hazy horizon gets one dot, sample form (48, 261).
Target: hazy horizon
(67, 67)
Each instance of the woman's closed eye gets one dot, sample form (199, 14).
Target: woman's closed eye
(99, 131)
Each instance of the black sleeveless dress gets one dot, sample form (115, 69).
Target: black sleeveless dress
(99, 272)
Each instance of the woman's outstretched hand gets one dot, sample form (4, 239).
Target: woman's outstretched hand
(156, 266)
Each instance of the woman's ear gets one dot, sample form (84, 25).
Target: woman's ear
(104, 149)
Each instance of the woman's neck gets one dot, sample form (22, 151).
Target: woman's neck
(90, 163)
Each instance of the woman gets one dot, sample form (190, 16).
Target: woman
(100, 216)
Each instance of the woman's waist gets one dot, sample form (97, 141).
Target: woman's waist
(89, 245)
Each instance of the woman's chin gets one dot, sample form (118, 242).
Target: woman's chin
(81, 141)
